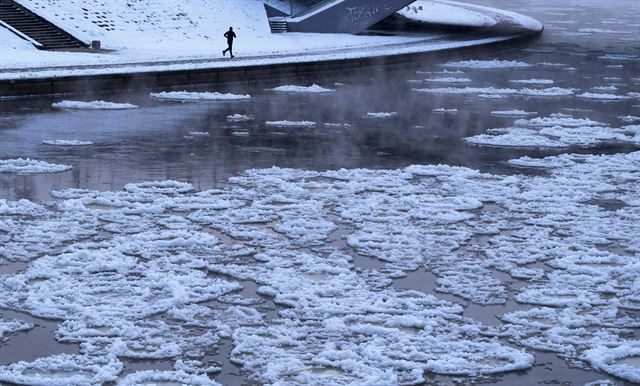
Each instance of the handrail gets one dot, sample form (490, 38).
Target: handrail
(299, 7)
(20, 34)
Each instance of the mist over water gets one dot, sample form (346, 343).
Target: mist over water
(149, 143)
(586, 45)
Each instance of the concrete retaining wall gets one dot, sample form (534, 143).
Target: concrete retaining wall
(169, 79)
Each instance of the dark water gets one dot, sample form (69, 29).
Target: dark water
(149, 143)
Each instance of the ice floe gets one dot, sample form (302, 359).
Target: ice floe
(512, 113)
(551, 91)
(293, 89)
(445, 111)
(238, 118)
(185, 96)
(603, 96)
(94, 105)
(555, 131)
(67, 142)
(448, 79)
(286, 123)
(63, 370)
(381, 114)
(156, 271)
(30, 166)
(12, 326)
(151, 377)
(533, 81)
(611, 360)
(486, 64)
(199, 133)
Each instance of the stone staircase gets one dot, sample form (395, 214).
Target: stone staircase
(41, 33)
(278, 24)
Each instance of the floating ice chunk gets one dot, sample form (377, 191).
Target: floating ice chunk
(30, 166)
(199, 133)
(185, 96)
(621, 57)
(382, 114)
(612, 360)
(532, 81)
(157, 377)
(240, 133)
(492, 96)
(238, 118)
(67, 142)
(527, 273)
(313, 89)
(286, 123)
(548, 162)
(606, 88)
(601, 382)
(482, 64)
(553, 91)
(21, 208)
(512, 113)
(602, 30)
(448, 79)
(95, 105)
(445, 111)
(629, 118)
(338, 125)
(603, 97)
(63, 370)
(159, 187)
(12, 326)
(467, 90)
(559, 120)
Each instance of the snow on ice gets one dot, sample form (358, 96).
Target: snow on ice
(512, 113)
(486, 64)
(556, 131)
(382, 114)
(185, 96)
(238, 118)
(30, 166)
(144, 272)
(313, 89)
(67, 142)
(95, 105)
(286, 123)
(543, 92)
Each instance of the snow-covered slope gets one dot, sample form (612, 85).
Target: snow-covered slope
(154, 24)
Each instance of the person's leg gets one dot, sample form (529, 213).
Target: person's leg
(231, 50)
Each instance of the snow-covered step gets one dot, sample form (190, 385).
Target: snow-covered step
(25, 23)
(278, 24)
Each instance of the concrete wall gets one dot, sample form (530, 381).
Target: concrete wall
(347, 16)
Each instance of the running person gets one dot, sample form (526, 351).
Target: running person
(230, 35)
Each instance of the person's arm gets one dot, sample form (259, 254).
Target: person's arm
(234, 35)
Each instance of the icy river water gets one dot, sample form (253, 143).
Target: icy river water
(401, 227)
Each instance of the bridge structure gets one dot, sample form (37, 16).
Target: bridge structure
(331, 16)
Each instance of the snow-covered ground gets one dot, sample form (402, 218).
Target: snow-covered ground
(151, 31)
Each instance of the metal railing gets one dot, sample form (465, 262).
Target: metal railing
(299, 7)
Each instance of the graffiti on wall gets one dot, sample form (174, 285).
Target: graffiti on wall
(359, 14)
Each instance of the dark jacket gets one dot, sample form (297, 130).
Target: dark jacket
(230, 35)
